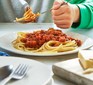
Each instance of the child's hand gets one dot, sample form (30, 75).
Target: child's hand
(65, 15)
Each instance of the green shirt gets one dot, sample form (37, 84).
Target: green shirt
(86, 13)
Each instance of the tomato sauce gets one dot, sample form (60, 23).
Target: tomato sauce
(38, 38)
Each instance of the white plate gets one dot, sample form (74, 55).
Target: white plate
(38, 74)
(5, 43)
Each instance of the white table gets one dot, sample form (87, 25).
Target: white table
(12, 27)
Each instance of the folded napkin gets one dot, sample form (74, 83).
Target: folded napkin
(3, 54)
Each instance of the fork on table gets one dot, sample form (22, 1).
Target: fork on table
(18, 73)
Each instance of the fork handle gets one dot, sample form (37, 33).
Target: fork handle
(5, 80)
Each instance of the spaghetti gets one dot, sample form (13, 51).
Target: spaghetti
(28, 16)
(51, 40)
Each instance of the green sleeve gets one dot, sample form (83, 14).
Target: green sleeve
(86, 13)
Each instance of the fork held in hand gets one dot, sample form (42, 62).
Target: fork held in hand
(59, 7)
(50, 9)
(18, 73)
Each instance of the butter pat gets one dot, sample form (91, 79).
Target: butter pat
(86, 58)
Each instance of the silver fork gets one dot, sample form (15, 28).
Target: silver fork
(18, 73)
(65, 2)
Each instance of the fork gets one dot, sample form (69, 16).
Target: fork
(18, 73)
(65, 2)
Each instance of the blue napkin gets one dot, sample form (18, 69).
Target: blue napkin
(3, 54)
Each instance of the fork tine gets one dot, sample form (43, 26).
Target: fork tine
(18, 68)
(24, 70)
(21, 68)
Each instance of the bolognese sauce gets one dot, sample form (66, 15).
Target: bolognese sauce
(38, 38)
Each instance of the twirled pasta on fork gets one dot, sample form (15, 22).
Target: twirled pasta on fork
(28, 16)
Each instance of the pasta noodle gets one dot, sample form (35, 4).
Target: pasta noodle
(28, 16)
(39, 41)
(70, 45)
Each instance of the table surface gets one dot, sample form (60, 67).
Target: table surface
(50, 60)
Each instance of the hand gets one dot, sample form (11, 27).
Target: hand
(27, 8)
(65, 15)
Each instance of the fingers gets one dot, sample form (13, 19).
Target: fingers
(27, 8)
(56, 5)
(63, 26)
(63, 9)
(63, 16)
(63, 22)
